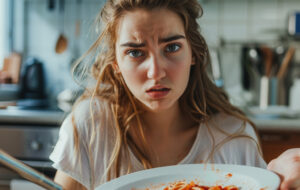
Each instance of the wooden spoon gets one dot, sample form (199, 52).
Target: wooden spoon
(268, 60)
(285, 62)
(62, 42)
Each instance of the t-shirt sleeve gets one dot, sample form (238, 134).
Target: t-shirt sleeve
(66, 159)
(241, 150)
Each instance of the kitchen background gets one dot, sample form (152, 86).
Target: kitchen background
(225, 24)
(232, 28)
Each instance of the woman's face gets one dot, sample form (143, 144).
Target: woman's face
(154, 57)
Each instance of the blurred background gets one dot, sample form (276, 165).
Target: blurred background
(254, 47)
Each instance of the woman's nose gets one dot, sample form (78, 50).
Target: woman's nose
(156, 68)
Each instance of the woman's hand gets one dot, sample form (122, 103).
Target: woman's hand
(287, 166)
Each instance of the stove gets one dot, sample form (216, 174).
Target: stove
(30, 136)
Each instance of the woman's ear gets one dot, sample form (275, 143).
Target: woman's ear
(116, 68)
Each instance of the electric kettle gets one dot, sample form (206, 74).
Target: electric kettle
(32, 80)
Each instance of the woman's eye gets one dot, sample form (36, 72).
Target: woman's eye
(172, 47)
(135, 53)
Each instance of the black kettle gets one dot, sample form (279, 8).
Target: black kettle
(32, 80)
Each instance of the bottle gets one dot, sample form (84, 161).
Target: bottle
(295, 95)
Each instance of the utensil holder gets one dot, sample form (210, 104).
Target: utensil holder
(278, 92)
(272, 91)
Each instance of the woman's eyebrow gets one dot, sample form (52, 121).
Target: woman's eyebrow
(171, 38)
(134, 45)
(161, 40)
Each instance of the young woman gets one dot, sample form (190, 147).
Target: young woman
(152, 103)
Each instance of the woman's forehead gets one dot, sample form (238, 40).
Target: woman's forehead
(140, 25)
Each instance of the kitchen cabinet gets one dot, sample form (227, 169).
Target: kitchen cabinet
(275, 142)
(277, 135)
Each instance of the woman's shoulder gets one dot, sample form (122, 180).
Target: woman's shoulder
(223, 124)
(88, 112)
(87, 108)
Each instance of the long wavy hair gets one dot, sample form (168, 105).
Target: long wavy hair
(201, 100)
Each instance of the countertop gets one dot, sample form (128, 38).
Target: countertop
(38, 116)
(274, 118)
(56, 117)
(283, 124)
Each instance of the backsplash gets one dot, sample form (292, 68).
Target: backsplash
(230, 20)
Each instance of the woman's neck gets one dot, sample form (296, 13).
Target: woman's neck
(164, 123)
(162, 131)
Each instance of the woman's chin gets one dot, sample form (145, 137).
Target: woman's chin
(158, 107)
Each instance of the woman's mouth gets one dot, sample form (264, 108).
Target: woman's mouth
(158, 92)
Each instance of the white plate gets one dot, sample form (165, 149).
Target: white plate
(244, 177)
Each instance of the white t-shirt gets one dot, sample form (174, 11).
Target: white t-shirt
(241, 151)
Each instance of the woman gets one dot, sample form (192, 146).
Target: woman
(152, 103)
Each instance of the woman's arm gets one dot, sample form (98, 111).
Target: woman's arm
(67, 182)
(287, 165)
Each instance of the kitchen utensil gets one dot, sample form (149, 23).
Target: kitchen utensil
(264, 92)
(256, 60)
(264, 81)
(246, 66)
(27, 172)
(268, 60)
(244, 177)
(279, 53)
(62, 42)
(285, 62)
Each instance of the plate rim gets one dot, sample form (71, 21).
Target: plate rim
(230, 168)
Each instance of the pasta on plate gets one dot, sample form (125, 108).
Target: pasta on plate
(194, 186)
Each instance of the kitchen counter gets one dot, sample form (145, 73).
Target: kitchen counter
(56, 117)
(39, 116)
(276, 123)
(279, 118)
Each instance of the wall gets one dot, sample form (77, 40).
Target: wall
(231, 20)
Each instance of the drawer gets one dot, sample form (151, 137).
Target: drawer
(276, 142)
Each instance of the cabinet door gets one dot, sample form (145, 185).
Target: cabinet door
(276, 142)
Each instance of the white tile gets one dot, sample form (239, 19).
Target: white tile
(231, 66)
(265, 30)
(264, 9)
(210, 10)
(210, 33)
(234, 31)
(288, 7)
(235, 10)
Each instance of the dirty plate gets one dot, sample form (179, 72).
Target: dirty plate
(244, 177)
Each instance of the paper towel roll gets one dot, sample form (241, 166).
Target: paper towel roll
(20, 184)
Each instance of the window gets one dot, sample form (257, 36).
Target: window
(4, 29)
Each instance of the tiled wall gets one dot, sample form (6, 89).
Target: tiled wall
(242, 21)
(232, 20)
(246, 19)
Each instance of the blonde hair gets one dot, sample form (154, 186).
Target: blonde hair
(201, 100)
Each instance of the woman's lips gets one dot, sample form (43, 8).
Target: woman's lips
(157, 93)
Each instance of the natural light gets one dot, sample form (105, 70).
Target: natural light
(3, 31)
